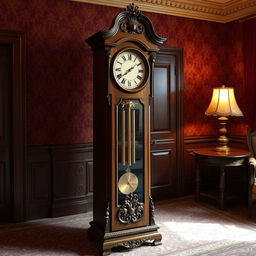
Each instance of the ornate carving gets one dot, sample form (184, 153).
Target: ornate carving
(130, 21)
(131, 24)
(186, 6)
(133, 243)
(109, 99)
(152, 211)
(153, 57)
(200, 10)
(128, 104)
(107, 226)
(133, 10)
(240, 6)
(131, 211)
(220, 12)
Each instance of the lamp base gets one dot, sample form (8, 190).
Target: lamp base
(223, 149)
(223, 140)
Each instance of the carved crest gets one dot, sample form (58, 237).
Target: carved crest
(131, 24)
(131, 211)
(130, 21)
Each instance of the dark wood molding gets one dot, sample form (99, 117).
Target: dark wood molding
(238, 140)
(235, 140)
(17, 41)
(39, 185)
(200, 139)
(167, 124)
(59, 180)
(178, 53)
(71, 171)
(50, 163)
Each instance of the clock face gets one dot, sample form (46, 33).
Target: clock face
(130, 69)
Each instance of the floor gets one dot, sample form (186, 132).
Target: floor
(188, 228)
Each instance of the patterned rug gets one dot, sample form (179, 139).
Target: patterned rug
(188, 229)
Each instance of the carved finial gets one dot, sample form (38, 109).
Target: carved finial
(133, 10)
(132, 25)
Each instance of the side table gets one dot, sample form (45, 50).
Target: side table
(209, 156)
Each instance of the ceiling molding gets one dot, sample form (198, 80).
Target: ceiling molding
(197, 9)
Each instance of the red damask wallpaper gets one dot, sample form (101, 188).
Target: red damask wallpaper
(59, 101)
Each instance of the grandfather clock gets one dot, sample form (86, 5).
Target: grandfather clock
(123, 59)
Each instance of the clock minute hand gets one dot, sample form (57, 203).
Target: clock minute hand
(132, 68)
(129, 70)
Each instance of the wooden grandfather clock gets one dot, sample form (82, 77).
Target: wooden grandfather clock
(123, 59)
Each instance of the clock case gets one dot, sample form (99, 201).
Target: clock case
(130, 30)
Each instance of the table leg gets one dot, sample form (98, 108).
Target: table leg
(222, 187)
(197, 182)
(250, 187)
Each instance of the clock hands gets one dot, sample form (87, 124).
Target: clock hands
(129, 70)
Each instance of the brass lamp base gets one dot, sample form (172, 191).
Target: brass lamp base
(223, 140)
(223, 149)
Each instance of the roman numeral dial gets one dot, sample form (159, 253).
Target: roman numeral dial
(130, 69)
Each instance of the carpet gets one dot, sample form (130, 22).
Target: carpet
(188, 229)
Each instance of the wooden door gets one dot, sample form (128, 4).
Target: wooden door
(5, 168)
(166, 117)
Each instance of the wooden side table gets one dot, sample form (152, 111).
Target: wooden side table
(208, 156)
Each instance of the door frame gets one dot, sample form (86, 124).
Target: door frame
(179, 71)
(17, 41)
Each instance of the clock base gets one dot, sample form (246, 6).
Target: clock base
(127, 238)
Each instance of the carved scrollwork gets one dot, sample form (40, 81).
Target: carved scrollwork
(107, 226)
(131, 211)
(133, 243)
(131, 24)
(152, 211)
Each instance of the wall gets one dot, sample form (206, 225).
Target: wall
(59, 97)
(235, 75)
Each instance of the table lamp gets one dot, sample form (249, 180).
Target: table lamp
(223, 104)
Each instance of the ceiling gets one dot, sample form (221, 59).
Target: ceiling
(212, 10)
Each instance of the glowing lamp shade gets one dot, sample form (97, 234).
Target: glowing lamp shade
(223, 104)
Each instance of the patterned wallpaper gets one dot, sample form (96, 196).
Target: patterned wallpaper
(59, 101)
(234, 75)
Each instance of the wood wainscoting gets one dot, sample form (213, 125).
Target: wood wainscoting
(59, 180)
(72, 179)
(60, 177)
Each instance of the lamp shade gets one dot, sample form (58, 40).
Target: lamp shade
(223, 103)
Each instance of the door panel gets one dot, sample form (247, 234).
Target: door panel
(5, 175)
(161, 161)
(161, 99)
(163, 128)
